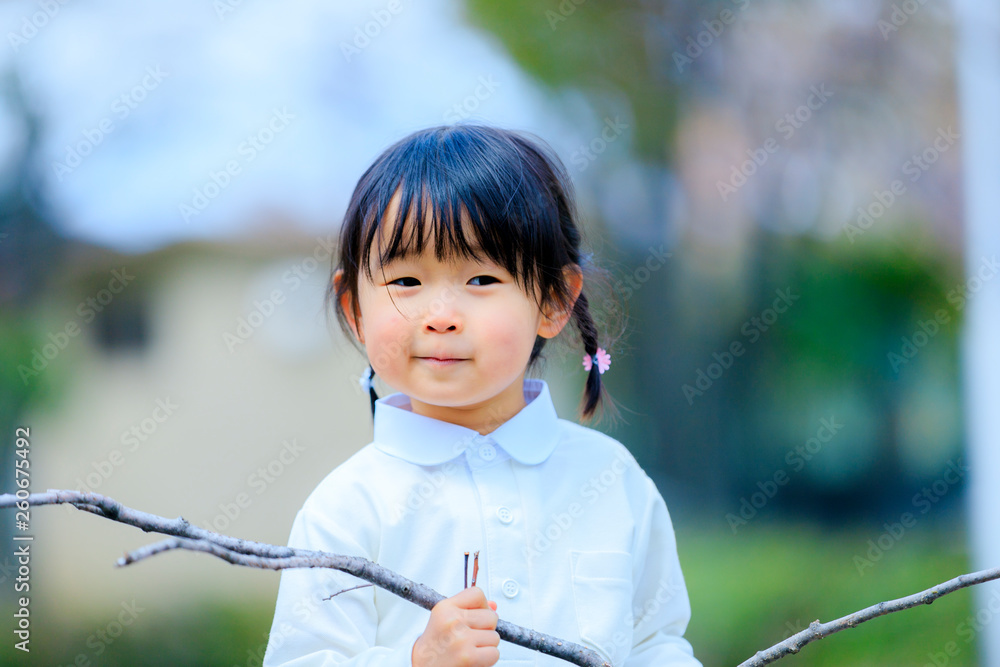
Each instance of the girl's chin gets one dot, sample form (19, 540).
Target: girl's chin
(452, 400)
(461, 401)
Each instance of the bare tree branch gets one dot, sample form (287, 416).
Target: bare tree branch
(267, 556)
(248, 553)
(817, 630)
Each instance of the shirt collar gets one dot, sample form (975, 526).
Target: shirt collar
(529, 436)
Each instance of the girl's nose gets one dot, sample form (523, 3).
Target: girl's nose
(442, 315)
(439, 327)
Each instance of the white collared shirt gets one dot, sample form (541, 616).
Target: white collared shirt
(574, 540)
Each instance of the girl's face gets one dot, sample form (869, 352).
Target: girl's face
(454, 335)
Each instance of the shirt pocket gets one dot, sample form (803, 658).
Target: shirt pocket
(602, 591)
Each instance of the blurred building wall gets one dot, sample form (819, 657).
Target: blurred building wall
(165, 402)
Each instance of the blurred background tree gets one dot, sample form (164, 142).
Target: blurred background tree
(30, 250)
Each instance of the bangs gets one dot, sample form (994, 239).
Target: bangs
(454, 227)
(468, 193)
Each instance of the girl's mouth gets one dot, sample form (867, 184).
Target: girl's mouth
(439, 361)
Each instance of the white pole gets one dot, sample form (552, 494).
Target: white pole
(978, 61)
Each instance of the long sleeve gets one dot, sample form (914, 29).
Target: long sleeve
(309, 631)
(660, 604)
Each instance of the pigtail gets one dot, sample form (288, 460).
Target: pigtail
(592, 393)
(367, 382)
(374, 397)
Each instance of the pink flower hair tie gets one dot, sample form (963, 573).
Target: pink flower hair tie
(602, 359)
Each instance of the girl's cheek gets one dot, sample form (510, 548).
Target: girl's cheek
(388, 342)
(507, 337)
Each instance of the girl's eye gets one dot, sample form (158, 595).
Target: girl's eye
(405, 282)
(483, 280)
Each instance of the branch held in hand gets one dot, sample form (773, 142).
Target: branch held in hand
(248, 553)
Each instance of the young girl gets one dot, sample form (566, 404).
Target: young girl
(459, 257)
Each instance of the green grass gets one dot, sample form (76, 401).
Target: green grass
(751, 590)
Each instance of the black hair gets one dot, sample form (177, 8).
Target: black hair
(486, 191)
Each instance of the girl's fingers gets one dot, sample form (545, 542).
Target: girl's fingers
(485, 638)
(472, 597)
(481, 619)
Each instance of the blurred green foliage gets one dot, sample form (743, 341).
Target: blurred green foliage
(593, 47)
(828, 355)
(752, 591)
(838, 352)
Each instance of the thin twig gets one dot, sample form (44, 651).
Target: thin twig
(346, 590)
(817, 630)
(248, 553)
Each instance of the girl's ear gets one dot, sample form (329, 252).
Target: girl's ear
(556, 314)
(347, 306)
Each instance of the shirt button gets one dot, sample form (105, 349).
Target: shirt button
(505, 515)
(487, 452)
(510, 588)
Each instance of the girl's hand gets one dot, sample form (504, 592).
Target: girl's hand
(460, 633)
